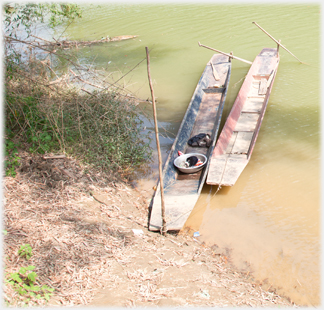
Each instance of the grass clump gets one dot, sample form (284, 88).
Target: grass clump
(103, 128)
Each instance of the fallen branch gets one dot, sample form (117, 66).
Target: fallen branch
(86, 82)
(68, 44)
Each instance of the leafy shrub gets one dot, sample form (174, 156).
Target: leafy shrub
(11, 157)
(103, 129)
(25, 283)
(114, 139)
(25, 251)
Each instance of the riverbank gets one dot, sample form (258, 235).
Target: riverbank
(90, 242)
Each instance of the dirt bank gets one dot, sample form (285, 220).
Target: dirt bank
(90, 242)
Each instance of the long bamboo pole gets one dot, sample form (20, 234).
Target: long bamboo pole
(278, 42)
(229, 55)
(157, 143)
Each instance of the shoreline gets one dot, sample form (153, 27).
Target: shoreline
(91, 244)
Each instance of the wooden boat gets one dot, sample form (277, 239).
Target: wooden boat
(238, 136)
(203, 115)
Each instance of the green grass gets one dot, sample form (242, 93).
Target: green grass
(102, 129)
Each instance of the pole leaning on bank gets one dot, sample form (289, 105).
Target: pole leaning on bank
(157, 143)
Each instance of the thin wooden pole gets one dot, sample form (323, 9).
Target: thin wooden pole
(232, 56)
(278, 42)
(157, 143)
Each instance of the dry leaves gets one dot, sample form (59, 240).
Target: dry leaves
(80, 250)
(71, 249)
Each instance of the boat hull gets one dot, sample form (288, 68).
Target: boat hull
(238, 136)
(203, 115)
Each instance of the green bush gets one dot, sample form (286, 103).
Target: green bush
(114, 140)
(44, 110)
(11, 156)
(103, 129)
(25, 251)
(25, 282)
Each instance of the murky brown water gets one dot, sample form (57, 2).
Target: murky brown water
(271, 217)
(275, 234)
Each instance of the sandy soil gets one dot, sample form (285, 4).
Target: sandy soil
(91, 243)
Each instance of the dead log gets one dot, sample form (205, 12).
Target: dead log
(69, 44)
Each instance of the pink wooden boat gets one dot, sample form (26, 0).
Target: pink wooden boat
(237, 139)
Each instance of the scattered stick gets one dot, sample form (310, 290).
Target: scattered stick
(84, 81)
(41, 39)
(54, 156)
(86, 91)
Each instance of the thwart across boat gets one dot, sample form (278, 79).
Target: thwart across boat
(238, 136)
(203, 115)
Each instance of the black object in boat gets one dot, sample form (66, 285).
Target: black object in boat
(200, 140)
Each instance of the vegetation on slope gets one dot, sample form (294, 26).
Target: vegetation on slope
(47, 109)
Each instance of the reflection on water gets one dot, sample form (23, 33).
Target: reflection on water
(270, 217)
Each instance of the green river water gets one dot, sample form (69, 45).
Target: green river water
(270, 219)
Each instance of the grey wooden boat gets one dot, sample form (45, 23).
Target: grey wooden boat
(203, 115)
